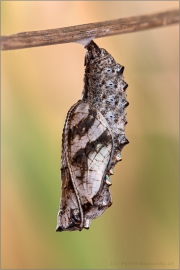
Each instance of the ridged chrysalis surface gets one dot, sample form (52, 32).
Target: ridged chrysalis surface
(93, 138)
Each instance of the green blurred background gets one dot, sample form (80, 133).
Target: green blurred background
(38, 87)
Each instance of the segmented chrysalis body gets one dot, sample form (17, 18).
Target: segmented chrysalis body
(93, 137)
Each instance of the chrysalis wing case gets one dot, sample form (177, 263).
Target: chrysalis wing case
(93, 138)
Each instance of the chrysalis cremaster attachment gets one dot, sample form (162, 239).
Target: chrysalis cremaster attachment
(93, 138)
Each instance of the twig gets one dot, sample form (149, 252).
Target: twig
(88, 31)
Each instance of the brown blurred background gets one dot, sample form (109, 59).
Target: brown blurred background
(140, 230)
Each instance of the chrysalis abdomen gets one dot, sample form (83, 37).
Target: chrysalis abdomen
(105, 89)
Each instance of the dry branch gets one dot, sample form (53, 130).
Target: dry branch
(88, 31)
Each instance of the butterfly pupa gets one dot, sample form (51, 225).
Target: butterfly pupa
(93, 138)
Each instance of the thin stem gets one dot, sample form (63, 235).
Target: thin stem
(89, 31)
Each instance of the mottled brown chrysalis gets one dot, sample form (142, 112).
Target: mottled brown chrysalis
(93, 138)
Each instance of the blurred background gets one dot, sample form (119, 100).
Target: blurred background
(38, 87)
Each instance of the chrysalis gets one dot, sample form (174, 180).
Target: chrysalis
(93, 138)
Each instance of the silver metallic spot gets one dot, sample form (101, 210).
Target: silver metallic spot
(108, 180)
(104, 203)
(118, 157)
(87, 223)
